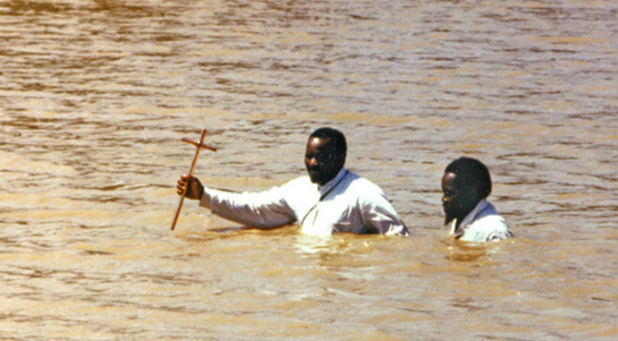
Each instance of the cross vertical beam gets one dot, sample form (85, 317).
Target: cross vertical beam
(198, 145)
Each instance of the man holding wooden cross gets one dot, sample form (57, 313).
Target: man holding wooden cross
(330, 199)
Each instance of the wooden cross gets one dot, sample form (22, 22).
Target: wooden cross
(199, 145)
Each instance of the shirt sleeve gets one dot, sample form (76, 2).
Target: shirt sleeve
(379, 216)
(266, 210)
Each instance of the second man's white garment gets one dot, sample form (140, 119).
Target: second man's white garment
(347, 203)
(482, 224)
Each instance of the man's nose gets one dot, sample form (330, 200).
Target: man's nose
(313, 162)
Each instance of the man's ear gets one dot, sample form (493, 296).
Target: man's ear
(341, 159)
(476, 194)
(468, 193)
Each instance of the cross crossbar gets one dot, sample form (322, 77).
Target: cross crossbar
(198, 144)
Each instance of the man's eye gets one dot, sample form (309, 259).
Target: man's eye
(319, 158)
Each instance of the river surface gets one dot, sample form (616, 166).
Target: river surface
(95, 97)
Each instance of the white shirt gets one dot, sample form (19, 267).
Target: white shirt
(482, 224)
(347, 203)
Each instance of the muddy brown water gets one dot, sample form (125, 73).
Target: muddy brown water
(96, 95)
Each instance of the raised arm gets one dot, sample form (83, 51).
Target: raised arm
(264, 210)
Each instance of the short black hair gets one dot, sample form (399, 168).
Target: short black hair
(335, 136)
(471, 173)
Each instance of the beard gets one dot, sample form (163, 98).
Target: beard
(317, 177)
(458, 210)
(322, 175)
(449, 215)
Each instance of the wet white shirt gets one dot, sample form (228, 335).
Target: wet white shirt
(482, 224)
(347, 203)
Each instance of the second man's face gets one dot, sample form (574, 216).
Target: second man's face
(456, 201)
(451, 198)
(321, 160)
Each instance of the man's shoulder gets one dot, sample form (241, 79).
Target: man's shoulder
(362, 185)
(486, 228)
(493, 219)
(489, 221)
(298, 181)
(489, 214)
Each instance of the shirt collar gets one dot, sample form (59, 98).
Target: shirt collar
(480, 207)
(327, 187)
